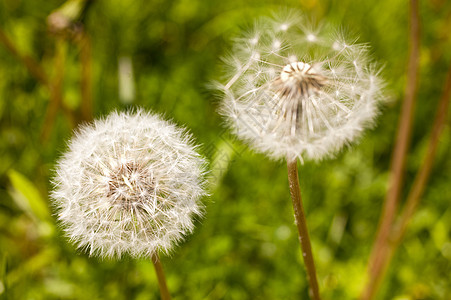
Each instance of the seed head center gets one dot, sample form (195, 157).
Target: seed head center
(299, 79)
(130, 184)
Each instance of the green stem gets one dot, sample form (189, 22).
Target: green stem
(301, 224)
(164, 292)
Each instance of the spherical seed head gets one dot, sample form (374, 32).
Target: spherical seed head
(130, 183)
(295, 91)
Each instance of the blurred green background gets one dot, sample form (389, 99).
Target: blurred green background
(161, 55)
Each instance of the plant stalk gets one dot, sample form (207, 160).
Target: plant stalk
(301, 223)
(164, 292)
(32, 66)
(417, 190)
(423, 174)
(382, 244)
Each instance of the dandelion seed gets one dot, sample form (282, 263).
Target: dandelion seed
(129, 184)
(302, 93)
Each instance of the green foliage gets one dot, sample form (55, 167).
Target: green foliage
(246, 246)
(26, 196)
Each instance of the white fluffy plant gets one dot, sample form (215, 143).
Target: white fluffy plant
(295, 91)
(130, 183)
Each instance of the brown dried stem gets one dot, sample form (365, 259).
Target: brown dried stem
(84, 44)
(164, 292)
(418, 186)
(56, 89)
(422, 176)
(32, 66)
(301, 223)
(391, 203)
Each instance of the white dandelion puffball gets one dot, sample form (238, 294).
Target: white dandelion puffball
(129, 184)
(295, 91)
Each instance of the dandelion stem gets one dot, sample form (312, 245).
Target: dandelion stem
(85, 46)
(164, 292)
(386, 220)
(415, 193)
(301, 223)
(56, 89)
(32, 66)
(422, 175)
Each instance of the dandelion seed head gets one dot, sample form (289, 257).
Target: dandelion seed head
(310, 92)
(129, 184)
